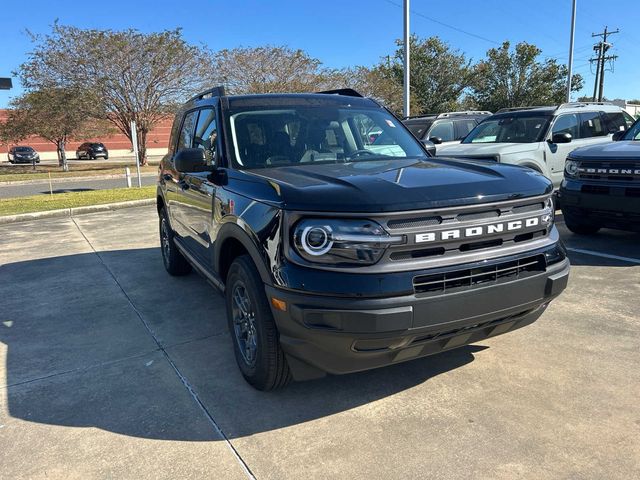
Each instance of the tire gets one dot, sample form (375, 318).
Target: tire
(174, 262)
(106, 157)
(253, 331)
(577, 227)
(91, 156)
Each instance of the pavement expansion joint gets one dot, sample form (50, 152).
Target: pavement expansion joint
(161, 348)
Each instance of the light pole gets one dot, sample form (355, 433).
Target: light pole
(406, 59)
(569, 70)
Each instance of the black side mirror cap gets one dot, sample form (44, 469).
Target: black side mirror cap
(435, 140)
(429, 147)
(617, 136)
(561, 138)
(191, 160)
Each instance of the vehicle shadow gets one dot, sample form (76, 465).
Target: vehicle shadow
(92, 341)
(617, 243)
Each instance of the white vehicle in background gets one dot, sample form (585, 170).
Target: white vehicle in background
(540, 137)
(447, 128)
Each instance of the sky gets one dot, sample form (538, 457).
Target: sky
(348, 32)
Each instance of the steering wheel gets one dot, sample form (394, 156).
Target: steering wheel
(357, 153)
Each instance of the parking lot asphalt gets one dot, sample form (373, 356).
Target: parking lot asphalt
(113, 369)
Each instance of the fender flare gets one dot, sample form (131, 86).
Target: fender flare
(231, 230)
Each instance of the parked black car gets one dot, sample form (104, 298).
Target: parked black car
(23, 154)
(445, 128)
(601, 187)
(336, 254)
(91, 151)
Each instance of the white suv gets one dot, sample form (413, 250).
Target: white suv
(540, 137)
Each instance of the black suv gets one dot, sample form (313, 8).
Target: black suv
(337, 254)
(601, 186)
(92, 150)
(447, 128)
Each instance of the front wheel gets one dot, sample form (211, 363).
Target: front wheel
(255, 337)
(174, 261)
(576, 226)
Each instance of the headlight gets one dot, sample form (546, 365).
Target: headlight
(336, 242)
(548, 218)
(571, 168)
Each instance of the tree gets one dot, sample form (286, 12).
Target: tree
(132, 75)
(377, 82)
(272, 69)
(55, 114)
(439, 74)
(509, 78)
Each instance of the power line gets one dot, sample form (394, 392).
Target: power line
(418, 14)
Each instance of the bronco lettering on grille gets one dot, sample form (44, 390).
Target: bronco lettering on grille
(480, 230)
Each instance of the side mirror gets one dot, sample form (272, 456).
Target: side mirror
(429, 147)
(561, 138)
(435, 140)
(190, 160)
(617, 136)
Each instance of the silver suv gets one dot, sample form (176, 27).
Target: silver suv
(540, 137)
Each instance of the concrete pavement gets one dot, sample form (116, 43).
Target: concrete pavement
(112, 368)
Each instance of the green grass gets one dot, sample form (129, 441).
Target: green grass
(42, 202)
(12, 173)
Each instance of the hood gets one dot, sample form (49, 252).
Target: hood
(485, 149)
(385, 186)
(604, 151)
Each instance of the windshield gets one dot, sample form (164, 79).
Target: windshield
(24, 149)
(306, 135)
(634, 132)
(513, 129)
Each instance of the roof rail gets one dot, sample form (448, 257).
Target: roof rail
(420, 116)
(348, 92)
(212, 92)
(515, 109)
(581, 104)
(464, 112)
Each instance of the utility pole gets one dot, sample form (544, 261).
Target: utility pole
(602, 46)
(573, 29)
(406, 48)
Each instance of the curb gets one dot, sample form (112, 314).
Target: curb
(88, 178)
(72, 212)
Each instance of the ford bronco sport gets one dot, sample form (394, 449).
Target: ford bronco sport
(336, 254)
(540, 137)
(602, 185)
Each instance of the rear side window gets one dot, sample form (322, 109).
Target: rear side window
(187, 130)
(567, 124)
(616, 121)
(463, 127)
(443, 130)
(591, 125)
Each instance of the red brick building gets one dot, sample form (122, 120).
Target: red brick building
(117, 144)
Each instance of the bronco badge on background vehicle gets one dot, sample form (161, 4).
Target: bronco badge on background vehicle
(338, 253)
(602, 185)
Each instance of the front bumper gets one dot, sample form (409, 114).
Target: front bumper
(345, 334)
(603, 204)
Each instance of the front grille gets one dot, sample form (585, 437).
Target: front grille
(615, 171)
(414, 222)
(467, 278)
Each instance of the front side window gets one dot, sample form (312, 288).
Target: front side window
(634, 132)
(442, 130)
(206, 134)
(187, 130)
(591, 125)
(510, 129)
(615, 122)
(463, 127)
(306, 135)
(567, 124)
